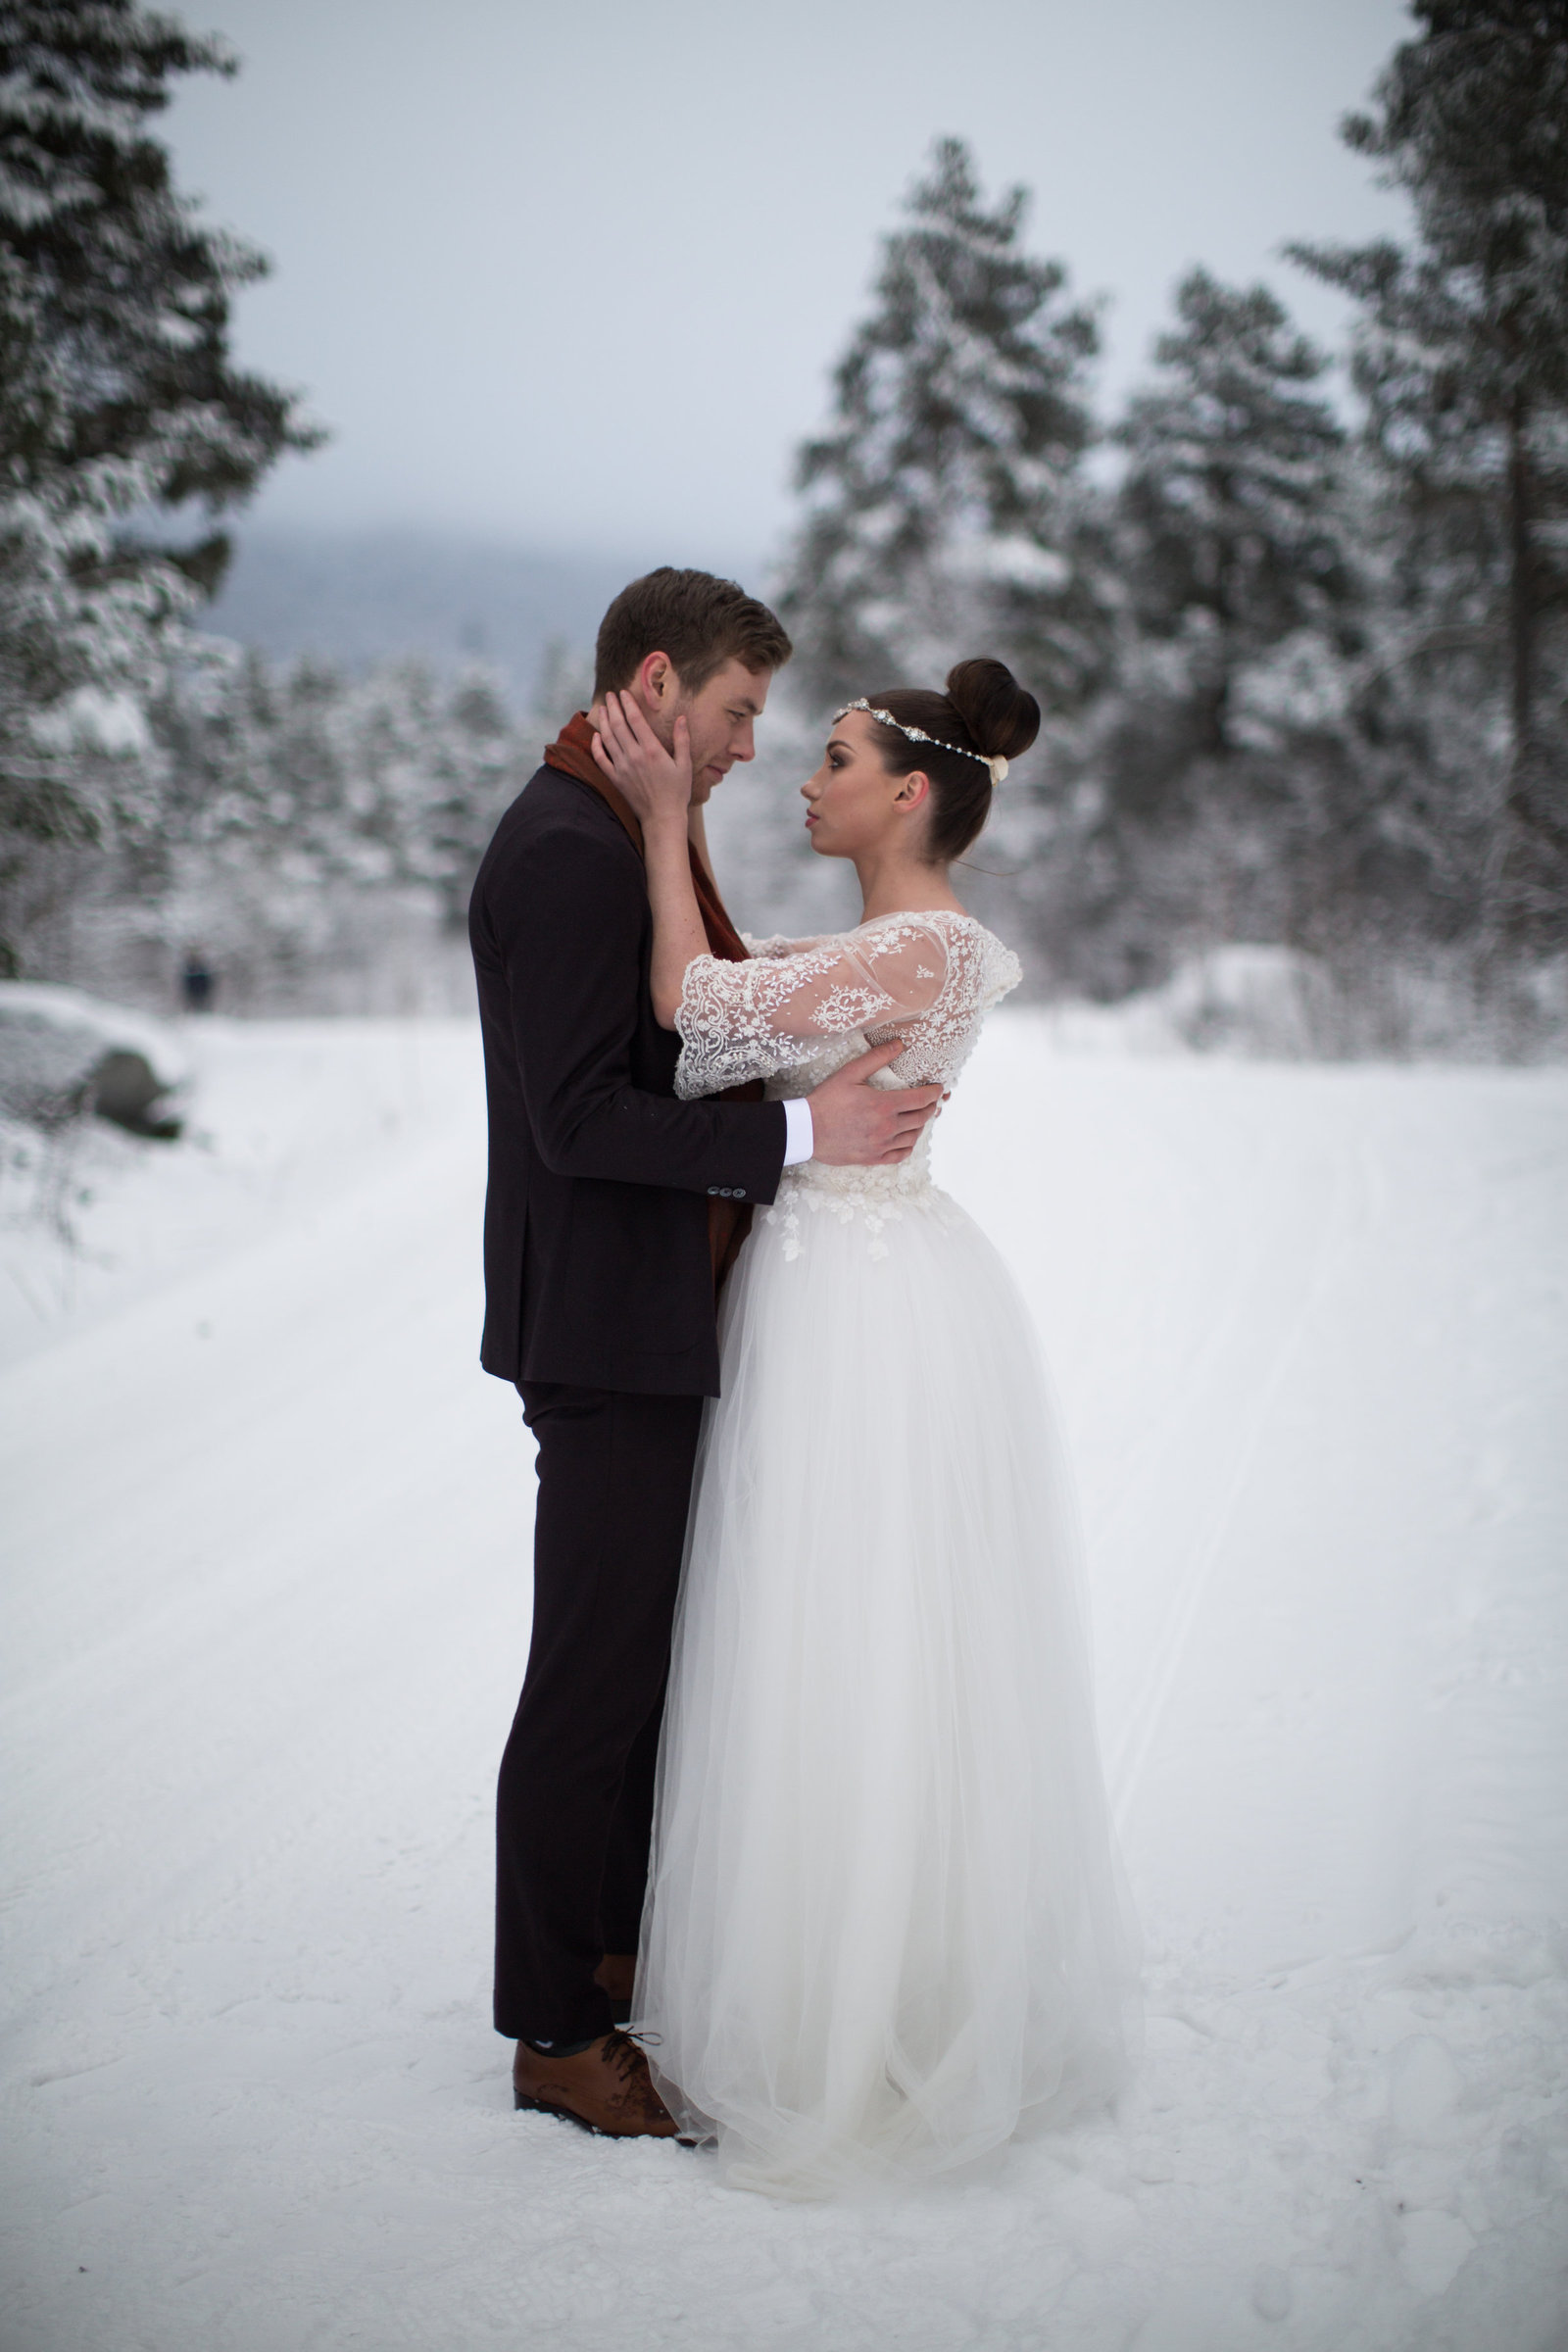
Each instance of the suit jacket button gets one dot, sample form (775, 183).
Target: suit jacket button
(713, 1191)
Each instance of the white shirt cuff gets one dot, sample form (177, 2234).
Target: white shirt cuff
(800, 1135)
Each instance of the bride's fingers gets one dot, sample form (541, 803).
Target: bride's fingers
(635, 751)
(605, 751)
(621, 740)
(637, 726)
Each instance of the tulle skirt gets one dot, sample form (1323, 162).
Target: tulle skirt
(886, 1925)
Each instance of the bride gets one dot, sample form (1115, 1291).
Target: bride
(885, 1922)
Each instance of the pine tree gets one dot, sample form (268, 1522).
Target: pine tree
(1228, 510)
(944, 505)
(118, 394)
(1208, 757)
(1462, 358)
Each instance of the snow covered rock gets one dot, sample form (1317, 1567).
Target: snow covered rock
(64, 1055)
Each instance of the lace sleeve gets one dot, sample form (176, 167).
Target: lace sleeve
(749, 1020)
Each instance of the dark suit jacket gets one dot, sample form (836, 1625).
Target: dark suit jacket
(596, 1256)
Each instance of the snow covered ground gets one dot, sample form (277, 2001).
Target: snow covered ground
(267, 1533)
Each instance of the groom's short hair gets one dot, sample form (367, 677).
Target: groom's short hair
(699, 622)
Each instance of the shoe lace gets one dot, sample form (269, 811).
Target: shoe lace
(627, 2049)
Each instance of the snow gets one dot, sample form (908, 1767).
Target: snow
(266, 1614)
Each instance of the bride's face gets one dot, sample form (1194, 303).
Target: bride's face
(854, 806)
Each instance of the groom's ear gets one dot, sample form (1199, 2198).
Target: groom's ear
(656, 682)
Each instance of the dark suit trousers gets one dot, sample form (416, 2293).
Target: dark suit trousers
(574, 1805)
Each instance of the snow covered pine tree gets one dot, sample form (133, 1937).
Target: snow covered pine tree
(119, 398)
(945, 502)
(1463, 357)
(1240, 600)
(1227, 504)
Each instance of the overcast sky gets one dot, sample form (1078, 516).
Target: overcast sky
(574, 274)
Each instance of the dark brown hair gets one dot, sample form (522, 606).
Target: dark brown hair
(984, 709)
(699, 622)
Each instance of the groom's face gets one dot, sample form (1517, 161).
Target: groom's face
(721, 718)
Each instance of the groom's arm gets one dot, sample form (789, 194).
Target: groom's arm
(569, 920)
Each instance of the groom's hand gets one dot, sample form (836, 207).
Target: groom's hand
(857, 1125)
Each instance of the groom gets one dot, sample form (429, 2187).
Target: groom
(612, 1215)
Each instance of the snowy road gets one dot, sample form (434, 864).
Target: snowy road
(266, 1530)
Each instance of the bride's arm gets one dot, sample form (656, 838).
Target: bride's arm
(658, 785)
(802, 993)
(778, 1013)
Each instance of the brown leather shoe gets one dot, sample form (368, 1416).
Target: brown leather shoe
(616, 1975)
(604, 2089)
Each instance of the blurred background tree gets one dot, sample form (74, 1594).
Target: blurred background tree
(1306, 673)
(120, 403)
(944, 505)
(1461, 359)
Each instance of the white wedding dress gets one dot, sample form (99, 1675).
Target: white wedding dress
(885, 1919)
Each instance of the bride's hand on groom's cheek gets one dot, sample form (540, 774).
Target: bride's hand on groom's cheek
(656, 781)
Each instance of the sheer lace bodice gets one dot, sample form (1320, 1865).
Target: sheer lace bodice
(801, 1008)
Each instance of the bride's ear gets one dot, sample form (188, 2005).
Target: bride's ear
(913, 792)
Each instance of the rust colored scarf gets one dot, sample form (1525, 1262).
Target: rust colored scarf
(728, 1221)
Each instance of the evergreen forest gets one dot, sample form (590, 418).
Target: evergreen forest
(1298, 619)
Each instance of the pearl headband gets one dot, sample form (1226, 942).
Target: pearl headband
(998, 766)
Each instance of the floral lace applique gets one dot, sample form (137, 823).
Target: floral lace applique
(875, 1197)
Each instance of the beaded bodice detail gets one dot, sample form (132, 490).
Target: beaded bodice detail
(800, 1008)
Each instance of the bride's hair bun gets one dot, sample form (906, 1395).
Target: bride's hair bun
(1001, 717)
(985, 715)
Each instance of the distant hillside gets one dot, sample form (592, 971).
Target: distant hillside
(364, 597)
